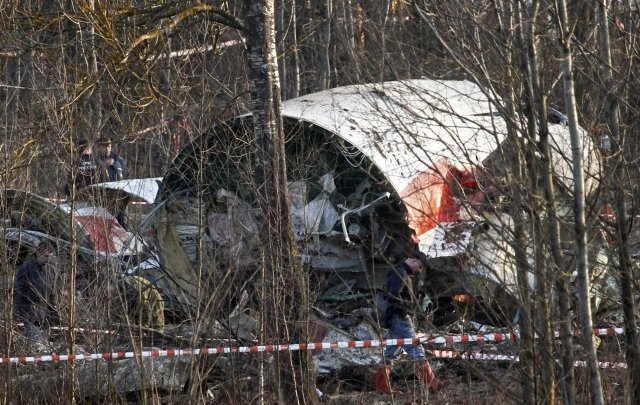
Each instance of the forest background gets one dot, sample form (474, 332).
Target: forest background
(154, 75)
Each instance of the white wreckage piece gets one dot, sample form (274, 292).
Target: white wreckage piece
(399, 164)
(97, 227)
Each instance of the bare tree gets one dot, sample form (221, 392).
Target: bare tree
(71, 70)
(579, 204)
(285, 305)
(622, 223)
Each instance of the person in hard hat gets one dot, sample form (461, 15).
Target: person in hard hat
(400, 302)
(33, 299)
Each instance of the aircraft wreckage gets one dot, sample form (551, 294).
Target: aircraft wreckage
(374, 170)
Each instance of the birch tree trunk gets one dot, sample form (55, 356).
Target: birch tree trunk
(537, 126)
(286, 301)
(522, 266)
(582, 261)
(351, 38)
(281, 40)
(383, 36)
(295, 68)
(325, 33)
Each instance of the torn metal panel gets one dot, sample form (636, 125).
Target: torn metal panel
(236, 229)
(32, 212)
(29, 240)
(317, 217)
(403, 127)
(181, 275)
(243, 322)
(450, 239)
(329, 361)
(395, 165)
(96, 228)
(144, 190)
(106, 234)
(329, 255)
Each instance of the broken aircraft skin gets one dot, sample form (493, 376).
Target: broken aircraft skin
(375, 171)
(94, 235)
(95, 228)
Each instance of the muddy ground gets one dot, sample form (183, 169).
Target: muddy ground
(469, 383)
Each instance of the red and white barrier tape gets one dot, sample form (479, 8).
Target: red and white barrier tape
(488, 337)
(501, 337)
(248, 349)
(447, 354)
(63, 200)
(211, 351)
(608, 331)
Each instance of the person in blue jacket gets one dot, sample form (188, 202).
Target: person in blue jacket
(113, 168)
(401, 302)
(109, 161)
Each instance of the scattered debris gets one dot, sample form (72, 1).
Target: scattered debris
(396, 166)
(430, 177)
(100, 379)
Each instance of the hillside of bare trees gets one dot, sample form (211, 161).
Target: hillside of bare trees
(165, 81)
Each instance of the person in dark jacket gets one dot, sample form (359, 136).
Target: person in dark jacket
(85, 171)
(33, 299)
(401, 303)
(114, 166)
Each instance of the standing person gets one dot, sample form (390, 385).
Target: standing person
(108, 160)
(33, 299)
(84, 165)
(114, 168)
(400, 302)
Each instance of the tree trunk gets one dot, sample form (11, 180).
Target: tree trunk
(281, 40)
(351, 38)
(295, 68)
(325, 41)
(286, 304)
(383, 36)
(524, 321)
(582, 261)
(537, 127)
(622, 226)
(538, 122)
